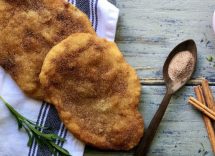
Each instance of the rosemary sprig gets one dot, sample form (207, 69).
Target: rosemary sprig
(33, 133)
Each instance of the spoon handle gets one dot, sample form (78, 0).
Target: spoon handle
(145, 143)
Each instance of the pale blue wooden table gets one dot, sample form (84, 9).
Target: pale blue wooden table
(147, 32)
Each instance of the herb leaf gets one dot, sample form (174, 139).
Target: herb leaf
(33, 133)
(210, 58)
(63, 151)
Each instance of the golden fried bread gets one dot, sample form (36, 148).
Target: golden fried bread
(28, 30)
(95, 91)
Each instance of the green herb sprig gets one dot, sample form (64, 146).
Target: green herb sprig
(33, 133)
(210, 58)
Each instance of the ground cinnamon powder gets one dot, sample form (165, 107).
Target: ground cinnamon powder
(181, 65)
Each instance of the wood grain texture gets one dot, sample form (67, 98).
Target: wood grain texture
(147, 31)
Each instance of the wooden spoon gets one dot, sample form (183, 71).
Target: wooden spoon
(171, 87)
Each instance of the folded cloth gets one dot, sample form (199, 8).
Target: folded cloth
(103, 16)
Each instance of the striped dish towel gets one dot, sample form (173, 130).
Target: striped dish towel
(103, 16)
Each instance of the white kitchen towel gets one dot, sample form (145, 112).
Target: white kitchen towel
(103, 16)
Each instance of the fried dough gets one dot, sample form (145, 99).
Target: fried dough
(28, 30)
(95, 91)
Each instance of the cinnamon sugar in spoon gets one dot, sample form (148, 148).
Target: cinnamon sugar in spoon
(177, 70)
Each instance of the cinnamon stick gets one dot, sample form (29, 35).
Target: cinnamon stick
(204, 109)
(208, 95)
(207, 121)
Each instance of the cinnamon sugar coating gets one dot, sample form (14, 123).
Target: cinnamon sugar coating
(28, 30)
(95, 91)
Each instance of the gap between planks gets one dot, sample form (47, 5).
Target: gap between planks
(154, 81)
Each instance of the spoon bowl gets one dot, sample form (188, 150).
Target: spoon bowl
(172, 85)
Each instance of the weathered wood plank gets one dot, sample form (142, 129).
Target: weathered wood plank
(182, 131)
(148, 30)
